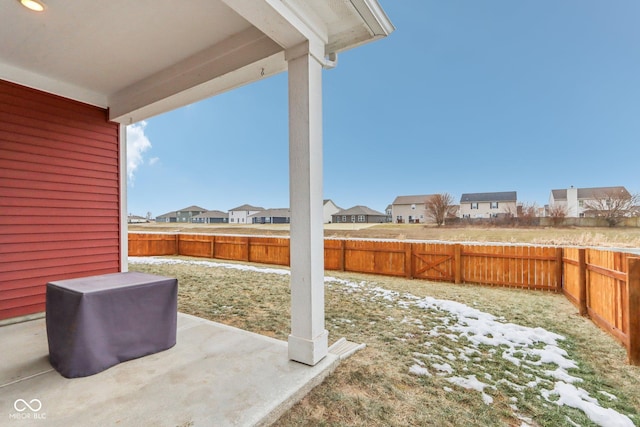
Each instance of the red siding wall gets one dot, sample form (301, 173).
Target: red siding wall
(59, 195)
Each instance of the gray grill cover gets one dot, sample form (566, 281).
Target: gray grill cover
(96, 322)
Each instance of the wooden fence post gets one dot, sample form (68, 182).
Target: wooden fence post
(248, 259)
(457, 263)
(408, 260)
(633, 284)
(582, 281)
(343, 254)
(559, 269)
(177, 244)
(213, 247)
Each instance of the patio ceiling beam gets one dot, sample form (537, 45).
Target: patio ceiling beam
(142, 99)
(284, 23)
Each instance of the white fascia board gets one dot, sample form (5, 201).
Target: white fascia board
(374, 17)
(50, 85)
(285, 25)
(261, 69)
(234, 53)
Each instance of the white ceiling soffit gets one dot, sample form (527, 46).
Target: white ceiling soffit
(145, 57)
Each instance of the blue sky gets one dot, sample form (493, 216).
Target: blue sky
(465, 96)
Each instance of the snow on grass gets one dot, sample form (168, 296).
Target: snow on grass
(578, 398)
(173, 261)
(539, 363)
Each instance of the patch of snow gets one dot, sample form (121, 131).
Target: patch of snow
(419, 370)
(469, 382)
(442, 367)
(578, 398)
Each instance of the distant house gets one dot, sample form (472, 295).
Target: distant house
(488, 205)
(240, 215)
(168, 217)
(409, 209)
(359, 214)
(576, 200)
(389, 213)
(271, 216)
(328, 209)
(211, 217)
(183, 215)
(136, 219)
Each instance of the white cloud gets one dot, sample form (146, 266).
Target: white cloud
(137, 144)
(153, 160)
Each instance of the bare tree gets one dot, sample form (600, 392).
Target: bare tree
(438, 207)
(613, 204)
(558, 212)
(527, 213)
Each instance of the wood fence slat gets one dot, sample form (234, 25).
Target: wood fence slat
(633, 309)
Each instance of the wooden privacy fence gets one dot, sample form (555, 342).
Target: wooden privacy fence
(604, 285)
(511, 266)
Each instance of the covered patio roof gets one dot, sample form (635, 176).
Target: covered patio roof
(143, 58)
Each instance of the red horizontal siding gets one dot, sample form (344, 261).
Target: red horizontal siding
(56, 165)
(56, 124)
(35, 136)
(7, 303)
(43, 230)
(40, 99)
(41, 138)
(73, 236)
(59, 195)
(52, 190)
(55, 199)
(42, 276)
(23, 310)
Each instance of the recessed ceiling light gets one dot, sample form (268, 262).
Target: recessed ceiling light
(34, 5)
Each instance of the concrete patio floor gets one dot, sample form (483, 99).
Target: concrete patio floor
(215, 375)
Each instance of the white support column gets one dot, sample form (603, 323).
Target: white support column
(308, 341)
(124, 231)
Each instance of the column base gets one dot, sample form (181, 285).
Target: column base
(307, 351)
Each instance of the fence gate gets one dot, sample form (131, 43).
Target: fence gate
(433, 262)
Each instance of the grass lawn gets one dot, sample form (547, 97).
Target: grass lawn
(436, 354)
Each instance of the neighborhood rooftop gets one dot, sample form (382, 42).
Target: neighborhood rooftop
(504, 196)
(590, 193)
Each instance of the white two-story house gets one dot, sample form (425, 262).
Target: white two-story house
(488, 205)
(240, 215)
(575, 201)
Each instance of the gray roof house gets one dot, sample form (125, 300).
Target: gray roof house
(361, 214)
(168, 217)
(240, 215)
(575, 200)
(211, 217)
(185, 214)
(328, 209)
(271, 216)
(488, 205)
(182, 215)
(409, 209)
